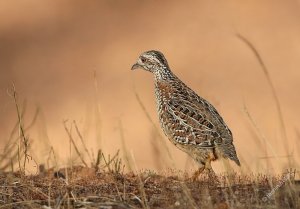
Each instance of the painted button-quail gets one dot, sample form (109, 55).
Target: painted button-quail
(190, 122)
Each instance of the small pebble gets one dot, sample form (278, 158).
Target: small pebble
(177, 203)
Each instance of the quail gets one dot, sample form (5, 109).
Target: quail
(189, 121)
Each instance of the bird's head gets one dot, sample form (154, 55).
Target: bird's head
(151, 61)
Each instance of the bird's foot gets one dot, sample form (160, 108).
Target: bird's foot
(212, 176)
(197, 173)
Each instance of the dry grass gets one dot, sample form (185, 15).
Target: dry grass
(87, 188)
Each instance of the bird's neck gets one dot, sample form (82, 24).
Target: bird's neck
(164, 73)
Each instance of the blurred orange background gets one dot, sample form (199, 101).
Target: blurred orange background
(72, 60)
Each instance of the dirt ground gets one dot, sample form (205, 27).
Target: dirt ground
(82, 187)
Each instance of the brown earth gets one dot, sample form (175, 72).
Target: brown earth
(82, 187)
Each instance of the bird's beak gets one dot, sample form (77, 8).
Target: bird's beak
(135, 66)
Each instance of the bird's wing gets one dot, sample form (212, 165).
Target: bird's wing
(197, 118)
(191, 124)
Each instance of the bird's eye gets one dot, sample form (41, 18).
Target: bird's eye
(143, 59)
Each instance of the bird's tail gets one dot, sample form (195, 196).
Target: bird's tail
(229, 152)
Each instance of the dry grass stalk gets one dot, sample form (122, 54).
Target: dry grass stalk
(274, 94)
(25, 202)
(16, 150)
(126, 155)
(9, 162)
(10, 155)
(98, 161)
(112, 164)
(159, 155)
(49, 157)
(82, 141)
(74, 144)
(115, 160)
(188, 194)
(141, 185)
(97, 110)
(264, 142)
(153, 124)
(24, 142)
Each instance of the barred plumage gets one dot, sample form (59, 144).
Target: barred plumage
(189, 121)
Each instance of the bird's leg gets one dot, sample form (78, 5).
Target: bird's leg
(209, 169)
(210, 172)
(206, 167)
(198, 172)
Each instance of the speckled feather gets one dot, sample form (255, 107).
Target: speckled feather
(188, 120)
